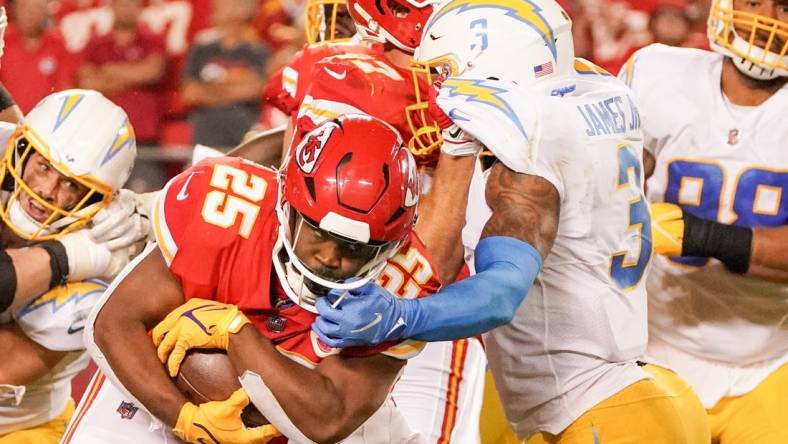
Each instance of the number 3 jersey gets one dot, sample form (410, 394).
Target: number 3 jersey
(216, 228)
(720, 162)
(575, 338)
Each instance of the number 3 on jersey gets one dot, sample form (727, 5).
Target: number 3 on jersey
(223, 209)
(627, 273)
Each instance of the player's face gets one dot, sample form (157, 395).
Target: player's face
(345, 27)
(329, 257)
(51, 185)
(776, 9)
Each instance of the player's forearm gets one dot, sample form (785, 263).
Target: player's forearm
(128, 349)
(769, 259)
(30, 360)
(264, 148)
(505, 271)
(311, 400)
(442, 214)
(147, 71)
(33, 274)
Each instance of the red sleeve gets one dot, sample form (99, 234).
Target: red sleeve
(275, 95)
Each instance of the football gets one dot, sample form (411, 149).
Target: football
(209, 375)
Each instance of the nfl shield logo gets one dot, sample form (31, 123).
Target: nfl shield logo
(733, 137)
(127, 410)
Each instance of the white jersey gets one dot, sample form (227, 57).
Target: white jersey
(54, 320)
(575, 340)
(720, 162)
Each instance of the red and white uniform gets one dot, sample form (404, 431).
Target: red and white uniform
(441, 390)
(286, 88)
(216, 227)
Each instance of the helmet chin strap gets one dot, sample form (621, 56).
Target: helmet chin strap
(22, 221)
(294, 286)
(750, 68)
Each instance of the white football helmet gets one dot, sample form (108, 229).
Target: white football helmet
(758, 45)
(524, 42)
(85, 137)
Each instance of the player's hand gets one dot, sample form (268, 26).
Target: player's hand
(667, 228)
(86, 257)
(456, 142)
(120, 224)
(367, 315)
(220, 421)
(198, 323)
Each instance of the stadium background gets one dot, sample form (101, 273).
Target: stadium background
(45, 54)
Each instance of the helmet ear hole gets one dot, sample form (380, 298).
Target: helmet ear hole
(310, 187)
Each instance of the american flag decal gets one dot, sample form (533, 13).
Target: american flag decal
(543, 69)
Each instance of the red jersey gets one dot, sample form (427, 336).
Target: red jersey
(32, 73)
(360, 83)
(216, 226)
(286, 88)
(141, 103)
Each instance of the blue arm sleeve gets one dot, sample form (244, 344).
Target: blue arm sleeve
(505, 271)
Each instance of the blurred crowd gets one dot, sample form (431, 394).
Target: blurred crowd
(193, 71)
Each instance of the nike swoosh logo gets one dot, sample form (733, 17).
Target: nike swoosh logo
(376, 321)
(182, 194)
(433, 37)
(456, 133)
(336, 75)
(71, 329)
(400, 323)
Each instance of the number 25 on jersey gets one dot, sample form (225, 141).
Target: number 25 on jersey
(223, 209)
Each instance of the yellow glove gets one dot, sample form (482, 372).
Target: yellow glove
(220, 422)
(667, 228)
(198, 323)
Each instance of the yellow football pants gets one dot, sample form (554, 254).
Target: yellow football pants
(757, 417)
(663, 409)
(46, 433)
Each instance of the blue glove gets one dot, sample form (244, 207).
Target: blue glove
(367, 315)
(505, 271)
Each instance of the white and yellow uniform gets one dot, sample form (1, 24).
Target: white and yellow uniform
(576, 339)
(54, 320)
(723, 332)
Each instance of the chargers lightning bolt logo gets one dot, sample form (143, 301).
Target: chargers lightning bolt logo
(68, 105)
(73, 292)
(123, 139)
(525, 11)
(477, 91)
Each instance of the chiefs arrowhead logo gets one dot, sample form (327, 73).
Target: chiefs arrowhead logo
(309, 149)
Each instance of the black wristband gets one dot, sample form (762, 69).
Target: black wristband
(58, 262)
(730, 244)
(6, 101)
(7, 281)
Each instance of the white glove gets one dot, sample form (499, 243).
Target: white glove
(86, 257)
(120, 224)
(457, 142)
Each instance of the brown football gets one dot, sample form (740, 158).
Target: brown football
(209, 375)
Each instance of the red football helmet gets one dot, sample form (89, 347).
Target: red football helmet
(352, 180)
(399, 22)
